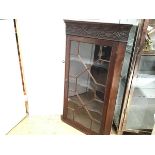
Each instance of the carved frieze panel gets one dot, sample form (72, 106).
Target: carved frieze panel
(116, 32)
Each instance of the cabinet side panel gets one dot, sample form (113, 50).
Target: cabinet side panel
(110, 106)
(66, 76)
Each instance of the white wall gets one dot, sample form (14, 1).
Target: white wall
(12, 106)
(42, 43)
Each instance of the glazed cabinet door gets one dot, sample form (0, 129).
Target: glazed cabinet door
(88, 81)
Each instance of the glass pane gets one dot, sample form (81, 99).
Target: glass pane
(150, 37)
(95, 126)
(89, 65)
(123, 78)
(147, 65)
(82, 117)
(99, 70)
(70, 113)
(74, 48)
(103, 52)
(142, 109)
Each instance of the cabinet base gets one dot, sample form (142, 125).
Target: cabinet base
(78, 126)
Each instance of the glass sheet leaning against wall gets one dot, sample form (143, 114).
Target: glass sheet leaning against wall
(138, 114)
(141, 111)
(123, 78)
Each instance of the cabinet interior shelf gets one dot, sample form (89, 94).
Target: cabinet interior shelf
(94, 105)
(148, 53)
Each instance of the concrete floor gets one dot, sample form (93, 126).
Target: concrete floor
(44, 125)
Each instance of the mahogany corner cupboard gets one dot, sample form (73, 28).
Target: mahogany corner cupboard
(94, 56)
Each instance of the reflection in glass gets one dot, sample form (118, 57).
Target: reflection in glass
(102, 52)
(142, 108)
(150, 36)
(123, 77)
(89, 65)
(141, 104)
(147, 65)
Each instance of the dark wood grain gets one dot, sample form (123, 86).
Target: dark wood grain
(109, 86)
(109, 110)
(115, 32)
(114, 35)
(67, 64)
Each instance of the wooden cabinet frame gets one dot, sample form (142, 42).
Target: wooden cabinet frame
(114, 35)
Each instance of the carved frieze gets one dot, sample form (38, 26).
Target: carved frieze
(115, 32)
